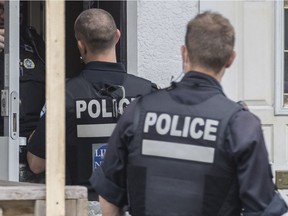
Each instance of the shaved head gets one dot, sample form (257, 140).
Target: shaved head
(97, 28)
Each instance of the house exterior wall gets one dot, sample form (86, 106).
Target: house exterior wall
(160, 29)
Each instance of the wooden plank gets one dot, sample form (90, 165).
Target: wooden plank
(76, 192)
(1, 212)
(40, 206)
(82, 207)
(17, 208)
(13, 183)
(39, 192)
(55, 102)
(71, 208)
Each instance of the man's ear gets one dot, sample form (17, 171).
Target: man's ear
(184, 57)
(82, 47)
(230, 60)
(118, 35)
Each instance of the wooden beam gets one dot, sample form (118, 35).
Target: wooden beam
(55, 102)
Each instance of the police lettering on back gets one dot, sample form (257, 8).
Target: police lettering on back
(104, 108)
(181, 126)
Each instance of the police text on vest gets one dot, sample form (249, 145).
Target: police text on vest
(196, 128)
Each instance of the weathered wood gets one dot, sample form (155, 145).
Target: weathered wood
(55, 102)
(17, 208)
(13, 183)
(82, 207)
(71, 207)
(27, 191)
(26, 199)
(40, 207)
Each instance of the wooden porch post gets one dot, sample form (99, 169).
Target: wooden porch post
(55, 102)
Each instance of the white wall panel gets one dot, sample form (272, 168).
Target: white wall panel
(161, 27)
(268, 131)
(258, 53)
(158, 28)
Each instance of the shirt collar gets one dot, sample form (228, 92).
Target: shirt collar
(105, 66)
(108, 72)
(195, 77)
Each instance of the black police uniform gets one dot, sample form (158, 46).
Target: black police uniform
(188, 150)
(31, 92)
(94, 101)
(32, 80)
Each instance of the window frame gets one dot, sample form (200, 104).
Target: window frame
(280, 108)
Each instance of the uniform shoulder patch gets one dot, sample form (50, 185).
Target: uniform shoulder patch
(28, 63)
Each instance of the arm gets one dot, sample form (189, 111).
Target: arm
(36, 164)
(108, 209)
(109, 180)
(248, 149)
(36, 148)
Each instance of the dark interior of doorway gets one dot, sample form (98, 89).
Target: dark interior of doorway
(72, 10)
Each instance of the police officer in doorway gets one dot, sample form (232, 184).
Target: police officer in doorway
(32, 82)
(32, 75)
(188, 150)
(94, 100)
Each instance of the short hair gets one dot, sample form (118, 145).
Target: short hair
(210, 40)
(97, 28)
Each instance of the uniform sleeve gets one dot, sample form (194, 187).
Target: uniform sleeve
(36, 144)
(256, 188)
(109, 180)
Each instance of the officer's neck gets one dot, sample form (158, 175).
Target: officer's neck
(108, 56)
(216, 75)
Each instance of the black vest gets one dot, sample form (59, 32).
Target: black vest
(177, 163)
(32, 80)
(96, 111)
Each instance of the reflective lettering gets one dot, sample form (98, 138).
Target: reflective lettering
(186, 126)
(105, 112)
(106, 108)
(193, 133)
(174, 131)
(210, 127)
(122, 103)
(163, 124)
(149, 121)
(196, 128)
(97, 110)
(81, 106)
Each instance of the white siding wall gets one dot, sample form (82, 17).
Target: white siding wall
(155, 37)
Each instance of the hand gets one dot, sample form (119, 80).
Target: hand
(2, 39)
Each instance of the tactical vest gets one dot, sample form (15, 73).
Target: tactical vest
(96, 115)
(32, 81)
(177, 163)
(31, 88)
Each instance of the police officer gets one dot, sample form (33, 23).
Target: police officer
(189, 150)
(94, 100)
(32, 80)
(32, 75)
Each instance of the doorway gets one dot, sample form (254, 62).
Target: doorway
(34, 15)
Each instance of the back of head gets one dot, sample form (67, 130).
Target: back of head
(97, 28)
(210, 41)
